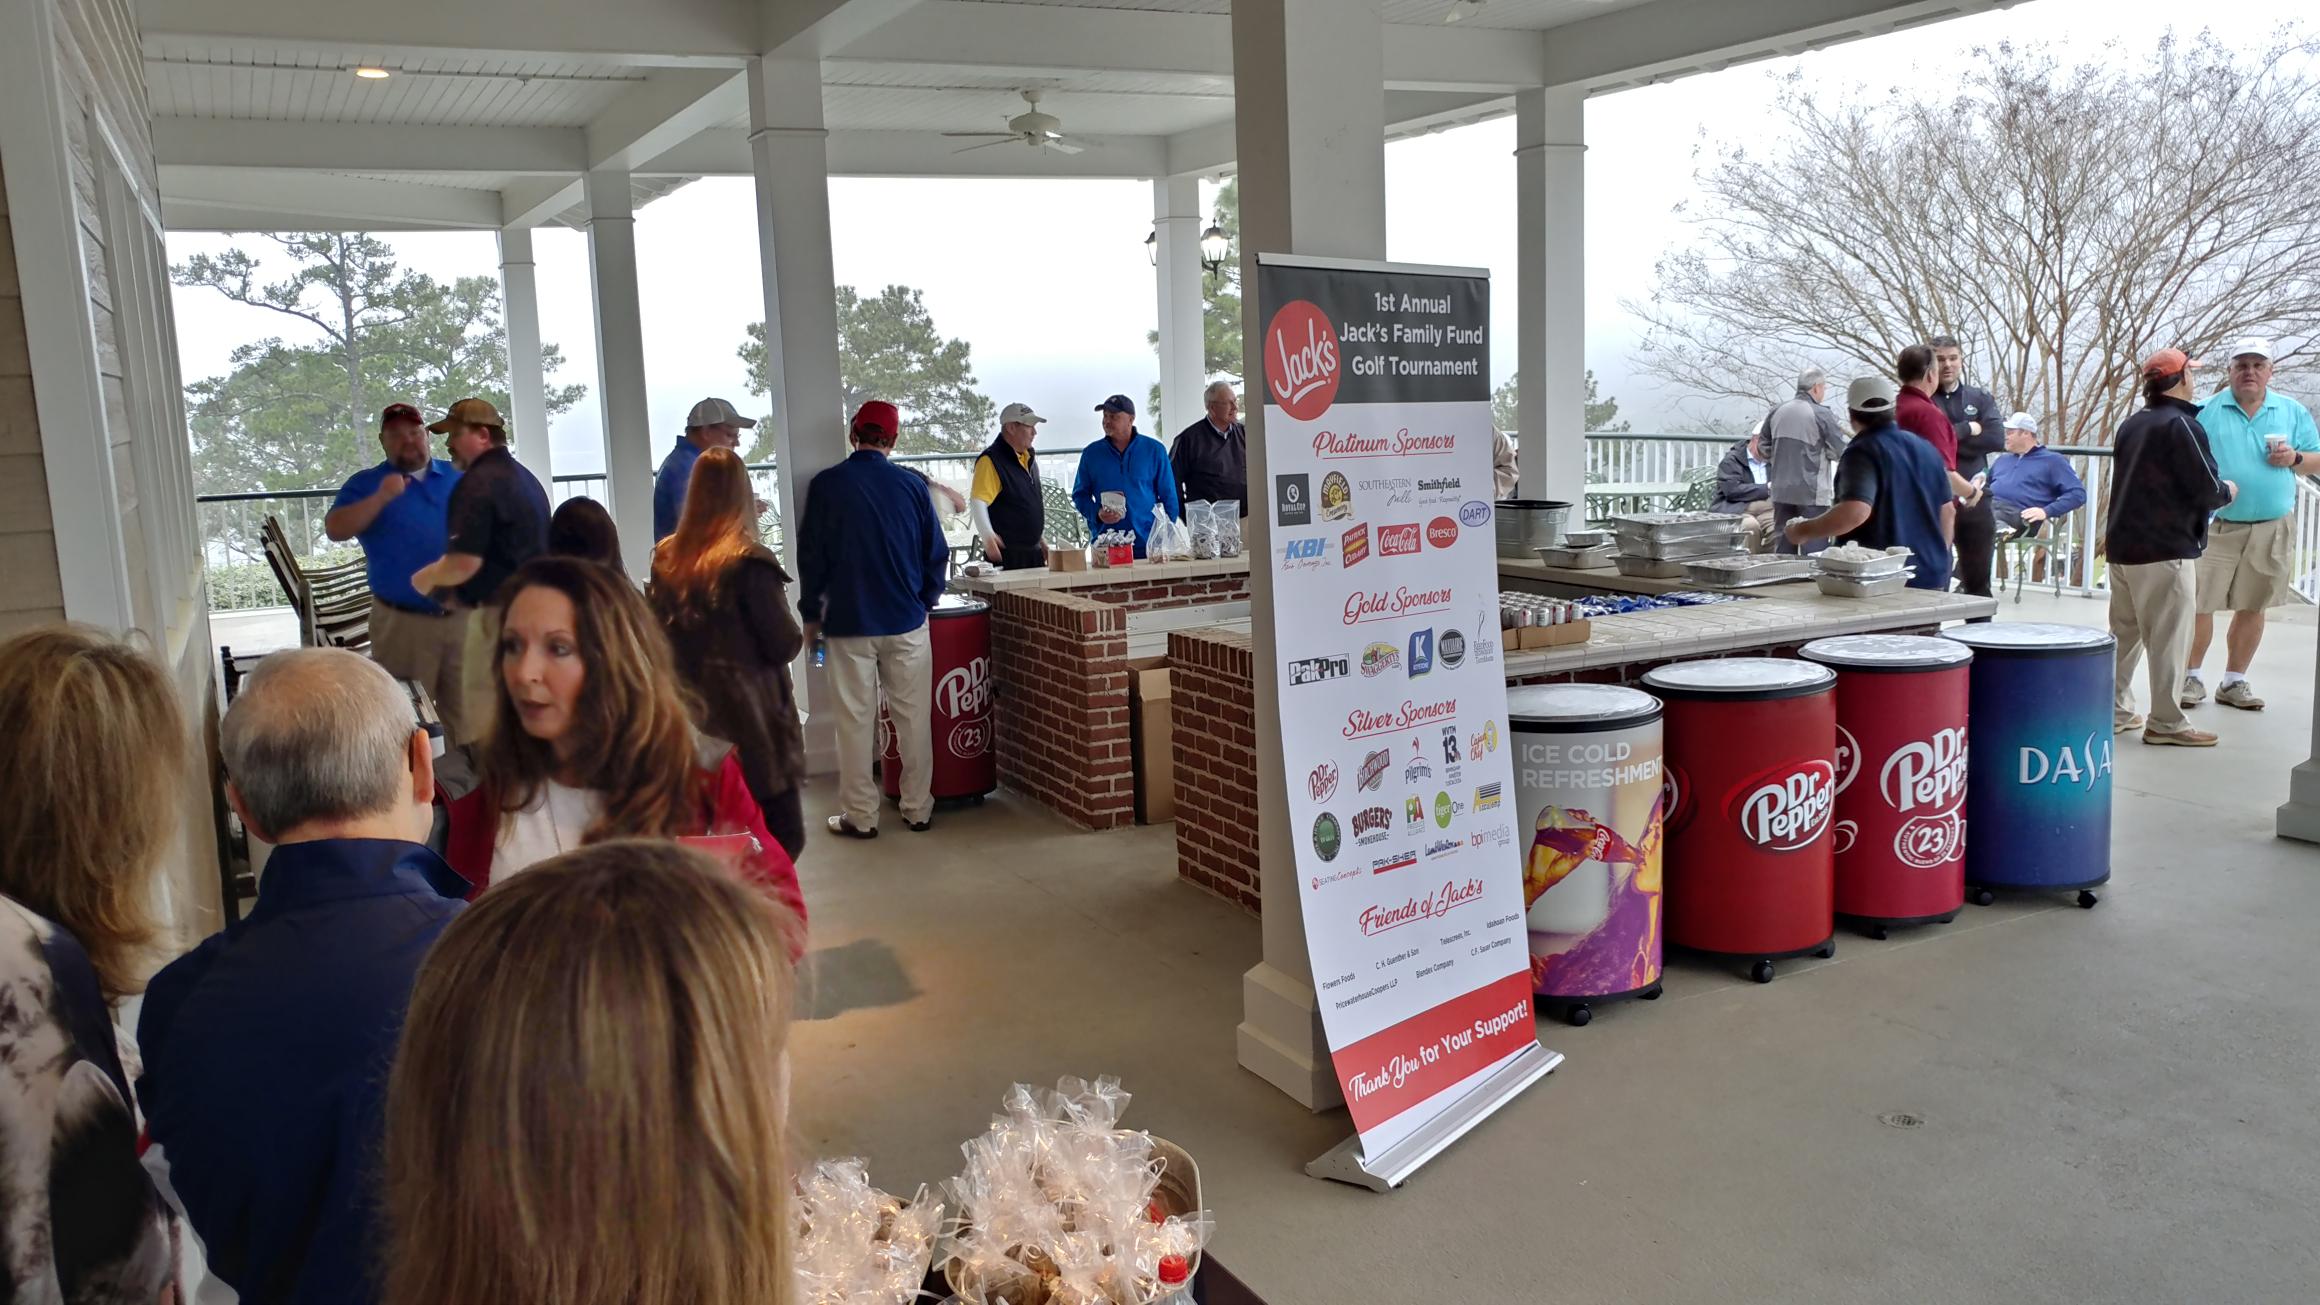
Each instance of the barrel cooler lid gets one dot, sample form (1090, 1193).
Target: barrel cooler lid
(1731, 679)
(1887, 652)
(2031, 639)
(953, 604)
(1578, 708)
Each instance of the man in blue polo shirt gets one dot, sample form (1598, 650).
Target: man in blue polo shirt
(712, 424)
(1893, 489)
(397, 511)
(1130, 464)
(2262, 440)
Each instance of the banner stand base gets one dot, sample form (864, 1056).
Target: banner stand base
(1345, 1163)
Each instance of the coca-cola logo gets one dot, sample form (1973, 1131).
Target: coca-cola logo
(1301, 360)
(970, 739)
(1322, 783)
(1788, 808)
(964, 690)
(1397, 540)
(1848, 758)
(1930, 841)
(1928, 773)
(1441, 532)
(1377, 604)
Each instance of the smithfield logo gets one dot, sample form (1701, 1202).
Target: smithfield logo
(1442, 847)
(1305, 554)
(1373, 769)
(1788, 809)
(1436, 488)
(1371, 824)
(1313, 670)
(1301, 360)
(1326, 838)
(1485, 797)
(1444, 809)
(1292, 500)
(1450, 646)
(1398, 541)
(1473, 512)
(1322, 783)
(1378, 605)
(964, 690)
(2082, 769)
(1379, 658)
(1441, 532)
(1927, 773)
(1421, 652)
(1355, 545)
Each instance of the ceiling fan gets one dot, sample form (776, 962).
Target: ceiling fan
(1040, 131)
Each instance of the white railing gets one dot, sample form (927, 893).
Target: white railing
(1638, 458)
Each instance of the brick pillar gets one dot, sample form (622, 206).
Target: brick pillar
(1059, 663)
(1212, 709)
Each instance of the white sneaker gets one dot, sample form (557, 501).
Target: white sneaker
(2194, 692)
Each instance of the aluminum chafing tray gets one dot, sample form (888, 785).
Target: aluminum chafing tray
(1577, 559)
(1889, 562)
(1649, 568)
(1676, 550)
(1586, 538)
(1746, 570)
(1675, 525)
(1837, 586)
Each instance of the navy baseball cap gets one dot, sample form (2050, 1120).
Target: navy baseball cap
(1117, 403)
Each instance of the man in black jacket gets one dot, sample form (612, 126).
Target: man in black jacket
(2163, 489)
(1977, 419)
(1743, 489)
(1211, 456)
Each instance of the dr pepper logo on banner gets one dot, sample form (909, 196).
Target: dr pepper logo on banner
(1787, 808)
(1301, 360)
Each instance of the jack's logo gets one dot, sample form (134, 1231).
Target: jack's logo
(1301, 360)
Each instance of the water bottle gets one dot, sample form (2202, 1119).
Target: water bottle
(1175, 1281)
(821, 651)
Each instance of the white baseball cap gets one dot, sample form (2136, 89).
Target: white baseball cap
(2022, 421)
(1871, 394)
(716, 412)
(2255, 344)
(1019, 412)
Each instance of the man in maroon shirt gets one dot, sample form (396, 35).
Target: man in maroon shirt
(1917, 413)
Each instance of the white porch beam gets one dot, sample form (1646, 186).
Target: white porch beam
(666, 32)
(1215, 148)
(368, 146)
(620, 381)
(527, 382)
(289, 200)
(1674, 38)
(725, 152)
(529, 203)
(1550, 290)
(670, 107)
(1176, 217)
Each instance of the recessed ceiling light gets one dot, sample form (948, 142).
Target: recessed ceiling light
(1462, 9)
(371, 73)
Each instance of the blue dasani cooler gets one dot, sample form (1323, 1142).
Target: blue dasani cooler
(1588, 786)
(2038, 782)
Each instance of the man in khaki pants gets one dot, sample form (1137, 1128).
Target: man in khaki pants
(397, 511)
(2163, 490)
(498, 520)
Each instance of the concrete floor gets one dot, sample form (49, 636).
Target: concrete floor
(2116, 1104)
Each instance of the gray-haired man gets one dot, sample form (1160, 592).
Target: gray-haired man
(266, 1048)
(1211, 456)
(1806, 439)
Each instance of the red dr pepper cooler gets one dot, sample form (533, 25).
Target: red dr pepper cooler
(1901, 777)
(1752, 794)
(959, 628)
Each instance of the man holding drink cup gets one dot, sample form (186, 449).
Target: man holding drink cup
(2262, 441)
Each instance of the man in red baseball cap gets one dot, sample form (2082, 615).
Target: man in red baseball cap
(398, 510)
(2163, 488)
(872, 562)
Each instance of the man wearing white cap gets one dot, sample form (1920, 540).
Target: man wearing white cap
(1892, 490)
(712, 424)
(2031, 484)
(2262, 441)
(1008, 509)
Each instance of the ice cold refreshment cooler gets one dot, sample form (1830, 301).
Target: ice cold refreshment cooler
(2038, 788)
(1588, 788)
(1752, 799)
(966, 763)
(1901, 776)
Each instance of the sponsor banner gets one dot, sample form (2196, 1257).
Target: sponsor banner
(1376, 420)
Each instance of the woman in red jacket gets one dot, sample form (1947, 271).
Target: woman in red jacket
(591, 739)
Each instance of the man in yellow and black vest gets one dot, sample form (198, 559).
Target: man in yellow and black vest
(1005, 501)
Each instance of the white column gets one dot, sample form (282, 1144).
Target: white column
(527, 386)
(1183, 333)
(628, 442)
(789, 151)
(1309, 97)
(1551, 290)
(2299, 816)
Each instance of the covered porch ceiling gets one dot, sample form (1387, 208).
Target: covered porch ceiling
(493, 109)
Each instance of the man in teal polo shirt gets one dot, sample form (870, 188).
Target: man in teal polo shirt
(2262, 441)
(398, 511)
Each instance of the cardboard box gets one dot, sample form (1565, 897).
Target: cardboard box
(1067, 559)
(1532, 637)
(1151, 740)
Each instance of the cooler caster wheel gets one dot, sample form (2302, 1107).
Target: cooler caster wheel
(1879, 933)
(975, 801)
(1578, 1015)
(1828, 949)
(1761, 971)
(1980, 896)
(1653, 995)
(2086, 900)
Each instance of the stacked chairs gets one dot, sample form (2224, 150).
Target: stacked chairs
(333, 603)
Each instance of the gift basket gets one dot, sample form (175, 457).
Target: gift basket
(857, 1245)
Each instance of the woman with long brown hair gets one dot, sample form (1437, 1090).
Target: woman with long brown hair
(724, 600)
(89, 801)
(588, 1104)
(592, 739)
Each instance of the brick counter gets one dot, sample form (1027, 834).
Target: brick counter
(1144, 586)
(1059, 665)
(1212, 705)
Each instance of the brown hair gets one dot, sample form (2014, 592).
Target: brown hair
(635, 746)
(88, 789)
(717, 527)
(1914, 364)
(582, 528)
(587, 1105)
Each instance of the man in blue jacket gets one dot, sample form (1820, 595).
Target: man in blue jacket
(872, 562)
(1892, 489)
(2031, 484)
(1131, 464)
(267, 1047)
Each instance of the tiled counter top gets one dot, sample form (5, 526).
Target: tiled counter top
(1141, 574)
(1774, 614)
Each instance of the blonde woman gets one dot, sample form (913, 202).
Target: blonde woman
(89, 796)
(588, 1105)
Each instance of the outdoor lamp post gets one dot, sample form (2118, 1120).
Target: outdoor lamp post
(1215, 246)
(1152, 247)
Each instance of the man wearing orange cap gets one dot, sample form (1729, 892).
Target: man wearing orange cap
(872, 562)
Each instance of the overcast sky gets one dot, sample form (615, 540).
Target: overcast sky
(1048, 280)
